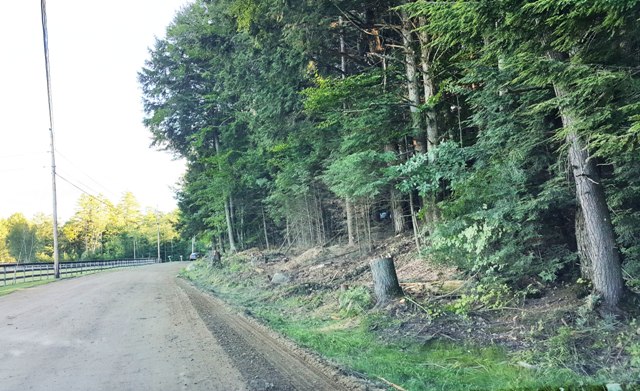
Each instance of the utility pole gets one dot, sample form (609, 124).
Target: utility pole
(158, 225)
(45, 40)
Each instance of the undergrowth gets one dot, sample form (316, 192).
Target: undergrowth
(341, 326)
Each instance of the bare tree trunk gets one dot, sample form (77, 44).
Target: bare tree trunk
(343, 49)
(433, 135)
(357, 212)
(288, 234)
(264, 225)
(597, 244)
(367, 222)
(586, 258)
(227, 213)
(309, 220)
(412, 82)
(348, 205)
(222, 246)
(323, 226)
(431, 124)
(318, 217)
(241, 229)
(395, 199)
(414, 222)
(227, 207)
(232, 211)
(385, 280)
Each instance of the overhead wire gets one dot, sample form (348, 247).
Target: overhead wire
(78, 182)
(95, 181)
(86, 192)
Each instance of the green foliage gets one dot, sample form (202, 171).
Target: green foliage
(252, 93)
(358, 176)
(488, 296)
(355, 301)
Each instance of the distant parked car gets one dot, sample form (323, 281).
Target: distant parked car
(194, 256)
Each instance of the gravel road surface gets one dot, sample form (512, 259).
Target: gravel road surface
(143, 329)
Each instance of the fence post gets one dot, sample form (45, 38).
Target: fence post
(4, 273)
(15, 272)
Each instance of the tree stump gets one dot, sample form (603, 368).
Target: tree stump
(216, 259)
(385, 280)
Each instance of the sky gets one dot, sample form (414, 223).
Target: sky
(96, 49)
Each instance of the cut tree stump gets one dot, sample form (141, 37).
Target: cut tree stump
(385, 280)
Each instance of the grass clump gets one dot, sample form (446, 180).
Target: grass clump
(355, 301)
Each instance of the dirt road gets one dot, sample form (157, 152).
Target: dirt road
(142, 329)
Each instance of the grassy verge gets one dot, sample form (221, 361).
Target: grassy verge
(5, 290)
(341, 326)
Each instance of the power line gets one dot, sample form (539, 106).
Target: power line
(86, 192)
(80, 183)
(107, 189)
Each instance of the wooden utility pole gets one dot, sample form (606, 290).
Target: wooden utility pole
(45, 40)
(158, 225)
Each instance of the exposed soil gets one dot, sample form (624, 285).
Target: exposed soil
(516, 325)
(265, 360)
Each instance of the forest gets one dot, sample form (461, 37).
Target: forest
(99, 230)
(501, 135)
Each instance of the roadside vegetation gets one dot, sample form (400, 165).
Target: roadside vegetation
(464, 342)
(5, 290)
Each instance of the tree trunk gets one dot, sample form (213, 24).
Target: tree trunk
(385, 280)
(413, 94)
(597, 244)
(586, 258)
(414, 222)
(343, 49)
(428, 84)
(227, 206)
(227, 213)
(395, 198)
(367, 224)
(348, 205)
(264, 225)
(431, 124)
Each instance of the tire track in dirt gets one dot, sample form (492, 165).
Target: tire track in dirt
(263, 360)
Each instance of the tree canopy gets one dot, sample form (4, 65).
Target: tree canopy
(504, 133)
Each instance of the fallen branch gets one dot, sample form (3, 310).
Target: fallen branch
(397, 387)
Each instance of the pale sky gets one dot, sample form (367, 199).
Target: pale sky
(96, 49)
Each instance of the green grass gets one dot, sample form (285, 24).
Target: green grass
(432, 366)
(5, 290)
(353, 339)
